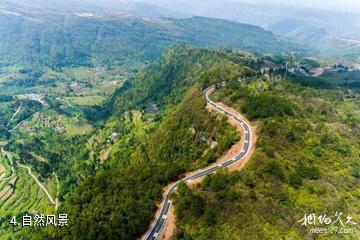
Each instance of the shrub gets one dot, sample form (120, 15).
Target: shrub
(310, 172)
(274, 168)
(295, 180)
(267, 105)
(210, 217)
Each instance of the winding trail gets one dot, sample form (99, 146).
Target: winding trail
(20, 123)
(17, 111)
(57, 202)
(39, 183)
(9, 156)
(163, 213)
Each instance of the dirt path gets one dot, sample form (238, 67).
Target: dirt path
(20, 123)
(39, 183)
(17, 111)
(11, 162)
(57, 202)
(51, 199)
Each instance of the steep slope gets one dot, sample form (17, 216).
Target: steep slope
(120, 200)
(168, 79)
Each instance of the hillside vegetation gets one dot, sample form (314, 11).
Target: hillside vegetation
(307, 161)
(120, 199)
(107, 39)
(155, 128)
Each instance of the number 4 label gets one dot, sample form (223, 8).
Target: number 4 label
(13, 221)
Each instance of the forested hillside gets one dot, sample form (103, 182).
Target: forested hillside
(155, 128)
(102, 108)
(120, 199)
(307, 161)
(75, 39)
(307, 149)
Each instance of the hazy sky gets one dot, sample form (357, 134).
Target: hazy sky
(345, 5)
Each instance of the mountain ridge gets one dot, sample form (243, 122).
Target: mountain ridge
(69, 40)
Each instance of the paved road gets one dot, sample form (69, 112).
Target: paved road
(162, 214)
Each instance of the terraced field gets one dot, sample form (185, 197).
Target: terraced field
(23, 195)
(20, 194)
(5, 169)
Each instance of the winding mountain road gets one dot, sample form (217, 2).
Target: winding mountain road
(162, 214)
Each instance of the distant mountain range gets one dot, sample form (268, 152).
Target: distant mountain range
(112, 30)
(59, 35)
(321, 30)
(75, 6)
(289, 21)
